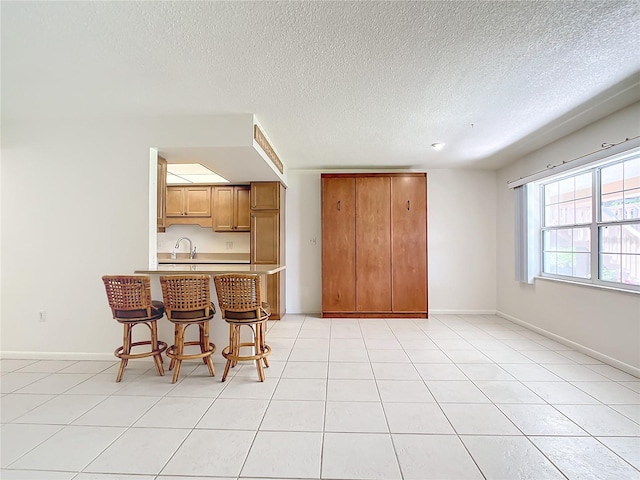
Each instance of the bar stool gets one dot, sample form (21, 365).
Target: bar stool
(240, 304)
(187, 301)
(129, 297)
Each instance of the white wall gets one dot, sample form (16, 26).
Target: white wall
(461, 234)
(604, 321)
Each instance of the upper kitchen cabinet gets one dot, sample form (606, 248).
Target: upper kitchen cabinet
(188, 206)
(265, 196)
(231, 208)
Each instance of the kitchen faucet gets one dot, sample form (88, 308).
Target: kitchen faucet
(192, 249)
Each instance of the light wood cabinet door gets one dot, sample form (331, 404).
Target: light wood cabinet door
(242, 209)
(409, 243)
(174, 202)
(265, 237)
(338, 244)
(231, 212)
(223, 209)
(265, 196)
(198, 201)
(162, 193)
(373, 244)
(188, 201)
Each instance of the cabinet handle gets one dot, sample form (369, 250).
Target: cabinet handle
(338, 205)
(408, 204)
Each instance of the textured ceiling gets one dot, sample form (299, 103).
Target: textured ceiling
(334, 84)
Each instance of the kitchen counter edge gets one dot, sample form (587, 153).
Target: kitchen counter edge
(212, 268)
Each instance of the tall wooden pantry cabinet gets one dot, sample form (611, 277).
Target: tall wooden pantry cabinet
(374, 245)
(267, 238)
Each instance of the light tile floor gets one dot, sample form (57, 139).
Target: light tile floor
(451, 397)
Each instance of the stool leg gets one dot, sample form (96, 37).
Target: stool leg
(263, 330)
(258, 349)
(172, 363)
(154, 345)
(179, 343)
(232, 352)
(204, 347)
(236, 344)
(126, 350)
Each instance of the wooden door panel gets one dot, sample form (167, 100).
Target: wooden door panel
(198, 201)
(175, 203)
(265, 237)
(373, 244)
(242, 209)
(265, 195)
(223, 209)
(162, 193)
(338, 245)
(409, 243)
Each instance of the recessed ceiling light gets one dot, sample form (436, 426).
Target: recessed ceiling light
(437, 146)
(191, 173)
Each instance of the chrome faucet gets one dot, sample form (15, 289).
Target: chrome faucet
(192, 249)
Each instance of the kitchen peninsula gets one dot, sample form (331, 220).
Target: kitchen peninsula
(264, 271)
(262, 251)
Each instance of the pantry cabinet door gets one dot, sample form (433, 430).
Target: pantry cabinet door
(373, 244)
(338, 245)
(409, 243)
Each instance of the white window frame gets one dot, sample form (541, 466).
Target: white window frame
(529, 208)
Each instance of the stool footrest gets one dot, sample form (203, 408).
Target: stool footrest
(242, 358)
(171, 351)
(162, 346)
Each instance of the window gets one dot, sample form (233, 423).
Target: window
(619, 226)
(566, 237)
(590, 224)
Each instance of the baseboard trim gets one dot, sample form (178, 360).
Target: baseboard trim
(57, 356)
(442, 311)
(461, 312)
(625, 367)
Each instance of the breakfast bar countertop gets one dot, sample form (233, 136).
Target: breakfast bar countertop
(212, 268)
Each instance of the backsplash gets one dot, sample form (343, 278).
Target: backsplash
(204, 239)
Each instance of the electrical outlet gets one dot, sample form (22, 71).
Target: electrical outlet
(42, 315)
(229, 246)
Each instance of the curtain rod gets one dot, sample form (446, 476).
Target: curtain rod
(581, 160)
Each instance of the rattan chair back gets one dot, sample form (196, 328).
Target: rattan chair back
(128, 293)
(186, 293)
(238, 293)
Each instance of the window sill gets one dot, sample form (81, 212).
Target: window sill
(588, 285)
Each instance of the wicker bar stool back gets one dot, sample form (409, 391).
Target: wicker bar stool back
(130, 300)
(241, 305)
(187, 301)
